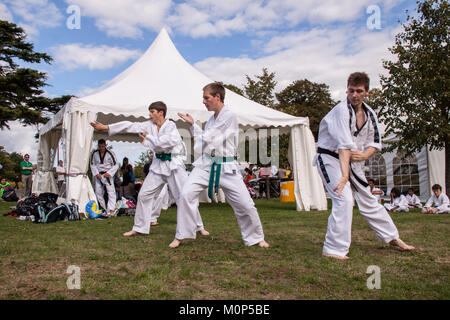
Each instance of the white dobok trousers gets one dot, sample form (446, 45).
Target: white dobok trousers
(236, 195)
(110, 190)
(147, 210)
(390, 206)
(338, 236)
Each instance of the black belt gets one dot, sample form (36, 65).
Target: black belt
(336, 155)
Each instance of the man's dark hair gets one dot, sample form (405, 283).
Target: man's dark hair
(371, 180)
(215, 88)
(436, 187)
(101, 141)
(158, 106)
(358, 79)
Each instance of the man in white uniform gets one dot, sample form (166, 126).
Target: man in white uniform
(440, 201)
(103, 167)
(217, 167)
(163, 138)
(349, 135)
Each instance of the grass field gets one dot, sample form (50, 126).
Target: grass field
(35, 258)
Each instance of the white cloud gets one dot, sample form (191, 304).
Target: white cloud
(125, 18)
(20, 139)
(319, 55)
(201, 18)
(77, 55)
(34, 14)
(5, 14)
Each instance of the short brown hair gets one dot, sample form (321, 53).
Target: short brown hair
(215, 88)
(436, 187)
(359, 78)
(159, 106)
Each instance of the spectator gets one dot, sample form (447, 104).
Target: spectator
(26, 170)
(438, 202)
(378, 193)
(16, 181)
(147, 165)
(127, 187)
(104, 166)
(248, 176)
(398, 202)
(413, 200)
(7, 192)
(61, 175)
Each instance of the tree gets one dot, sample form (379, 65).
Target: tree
(233, 88)
(304, 98)
(21, 88)
(416, 90)
(10, 163)
(261, 90)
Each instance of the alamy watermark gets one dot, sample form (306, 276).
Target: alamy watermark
(74, 280)
(374, 281)
(374, 20)
(74, 20)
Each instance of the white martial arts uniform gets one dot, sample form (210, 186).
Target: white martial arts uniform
(219, 139)
(338, 130)
(101, 165)
(442, 203)
(378, 196)
(399, 202)
(413, 201)
(168, 141)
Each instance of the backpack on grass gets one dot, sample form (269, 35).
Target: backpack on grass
(66, 211)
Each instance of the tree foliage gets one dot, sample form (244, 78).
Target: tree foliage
(304, 98)
(416, 90)
(262, 89)
(21, 88)
(10, 163)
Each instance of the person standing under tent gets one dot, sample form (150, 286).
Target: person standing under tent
(162, 137)
(349, 135)
(438, 202)
(103, 167)
(61, 175)
(217, 167)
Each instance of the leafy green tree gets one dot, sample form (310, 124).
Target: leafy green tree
(233, 88)
(262, 89)
(21, 88)
(10, 163)
(416, 89)
(304, 98)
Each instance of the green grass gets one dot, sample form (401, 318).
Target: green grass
(34, 259)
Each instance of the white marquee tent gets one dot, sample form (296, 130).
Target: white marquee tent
(425, 167)
(161, 73)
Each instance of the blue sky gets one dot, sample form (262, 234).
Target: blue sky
(322, 40)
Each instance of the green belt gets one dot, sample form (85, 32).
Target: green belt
(164, 156)
(214, 175)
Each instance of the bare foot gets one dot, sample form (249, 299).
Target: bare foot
(335, 256)
(400, 244)
(203, 232)
(154, 224)
(263, 244)
(131, 233)
(175, 243)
